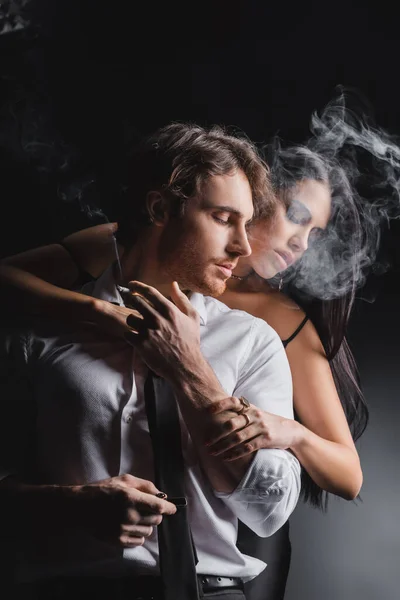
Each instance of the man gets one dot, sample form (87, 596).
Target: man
(80, 504)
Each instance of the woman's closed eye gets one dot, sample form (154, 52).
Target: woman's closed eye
(298, 214)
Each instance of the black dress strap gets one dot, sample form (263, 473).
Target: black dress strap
(300, 327)
(83, 276)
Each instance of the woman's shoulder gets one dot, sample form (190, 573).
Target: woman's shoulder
(292, 325)
(94, 248)
(101, 233)
(281, 312)
(273, 307)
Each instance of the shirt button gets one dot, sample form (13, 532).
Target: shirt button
(128, 419)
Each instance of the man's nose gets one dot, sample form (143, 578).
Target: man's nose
(240, 243)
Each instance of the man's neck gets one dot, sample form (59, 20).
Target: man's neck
(140, 263)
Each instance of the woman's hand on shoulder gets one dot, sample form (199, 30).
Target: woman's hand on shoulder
(111, 318)
(237, 436)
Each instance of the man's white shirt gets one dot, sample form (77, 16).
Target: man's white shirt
(73, 413)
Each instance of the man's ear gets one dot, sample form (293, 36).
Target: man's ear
(157, 208)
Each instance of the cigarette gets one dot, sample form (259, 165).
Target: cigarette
(179, 501)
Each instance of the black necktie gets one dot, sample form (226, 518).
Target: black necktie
(177, 553)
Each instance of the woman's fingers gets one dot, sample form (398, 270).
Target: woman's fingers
(234, 439)
(229, 428)
(245, 449)
(112, 319)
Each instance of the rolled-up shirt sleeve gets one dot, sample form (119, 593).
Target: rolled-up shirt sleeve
(268, 493)
(269, 490)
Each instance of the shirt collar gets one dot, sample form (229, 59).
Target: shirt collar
(197, 300)
(104, 288)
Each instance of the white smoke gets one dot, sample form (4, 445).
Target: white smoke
(364, 166)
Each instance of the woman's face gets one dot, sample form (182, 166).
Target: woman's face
(278, 243)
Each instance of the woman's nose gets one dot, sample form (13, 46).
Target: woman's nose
(299, 243)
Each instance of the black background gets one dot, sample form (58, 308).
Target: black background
(95, 75)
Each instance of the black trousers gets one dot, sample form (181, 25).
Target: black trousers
(276, 552)
(104, 589)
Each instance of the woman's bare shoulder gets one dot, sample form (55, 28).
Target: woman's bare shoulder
(98, 233)
(94, 248)
(281, 312)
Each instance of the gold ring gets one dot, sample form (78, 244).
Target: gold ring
(245, 405)
(247, 420)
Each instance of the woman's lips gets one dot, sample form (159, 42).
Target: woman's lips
(286, 257)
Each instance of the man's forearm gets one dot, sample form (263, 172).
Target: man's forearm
(197, 388)
(272, 481)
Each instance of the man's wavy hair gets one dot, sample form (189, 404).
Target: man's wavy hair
(176, 160)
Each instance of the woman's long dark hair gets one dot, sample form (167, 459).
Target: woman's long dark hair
(328, 303)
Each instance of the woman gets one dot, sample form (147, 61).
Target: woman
(329, 416)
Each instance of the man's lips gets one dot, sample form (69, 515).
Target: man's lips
(227, 268)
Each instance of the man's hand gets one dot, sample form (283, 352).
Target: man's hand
(122, 510)
(167, 334)
(167, 337)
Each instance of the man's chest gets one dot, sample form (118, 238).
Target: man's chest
(97, 377)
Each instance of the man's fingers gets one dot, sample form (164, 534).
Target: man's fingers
(137, 530)
(144, 485)
(181, 301)
(138, 324)
(146, 503)
(150, 519)
(147, 311)
(152, 296)
(143, 495)
(229, 403)
(129, 540)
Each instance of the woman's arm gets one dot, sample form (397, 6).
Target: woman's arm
(322, 442)
(33, 281)
(324, 445)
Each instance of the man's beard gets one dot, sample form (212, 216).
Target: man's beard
(185, 266)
